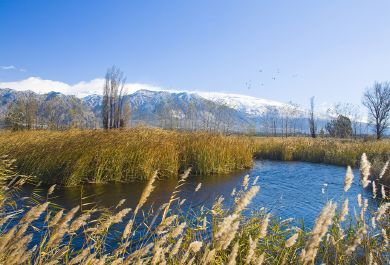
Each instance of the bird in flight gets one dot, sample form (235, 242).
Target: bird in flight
(248, 84)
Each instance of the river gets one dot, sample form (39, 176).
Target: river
(296, 190)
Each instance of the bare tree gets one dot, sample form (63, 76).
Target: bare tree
(289, 115)
(295, 117)
(15, 116)
(285, 117)
(56, 114)
(377, 100)
(113, 99)
(273, 116)
(23, 113)
(312, 120)
(356, 119)
(349, 110)
(126, 115)
(31, 109)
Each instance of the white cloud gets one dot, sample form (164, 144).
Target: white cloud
(80, 89)
(11, 67)
(8, 67)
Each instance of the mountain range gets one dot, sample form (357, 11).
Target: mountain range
(187, 110)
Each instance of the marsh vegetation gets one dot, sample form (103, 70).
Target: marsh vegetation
(215, 235)
(225, 231)
(75, 156)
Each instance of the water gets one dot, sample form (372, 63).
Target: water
(287, 189)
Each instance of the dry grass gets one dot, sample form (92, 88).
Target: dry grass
(329, 151)
(75, 156)
(226, 237)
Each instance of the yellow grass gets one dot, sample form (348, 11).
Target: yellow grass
(71, 157)
(320, 150)
(75, 156)
(227, 237)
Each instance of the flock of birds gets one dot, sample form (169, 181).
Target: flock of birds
(274, 77)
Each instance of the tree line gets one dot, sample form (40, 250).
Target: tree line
(30, 112)
(376, 99)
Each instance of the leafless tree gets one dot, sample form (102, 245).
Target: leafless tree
(377, 100)
(23, 113)
(113, 99)
(270, 120)
(289, 115)
(312, 120)
(55, 113)
(351, 111)
(192, 115)
(295, 118)
(126, 115)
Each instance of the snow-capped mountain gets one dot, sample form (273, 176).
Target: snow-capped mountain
(180, 109)
(175, 109)
(51, 106)
(246, 104)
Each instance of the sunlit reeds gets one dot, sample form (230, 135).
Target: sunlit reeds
(75, 156)
(229, 238)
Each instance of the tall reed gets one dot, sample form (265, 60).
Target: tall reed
(229, 238)
(74, 156)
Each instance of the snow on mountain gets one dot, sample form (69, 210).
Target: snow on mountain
(245, 104)
(85, 90)
(250, 105)
(181, 108)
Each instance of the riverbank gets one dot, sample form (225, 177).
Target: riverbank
(220, 235)
(76, 156)
(341, 152)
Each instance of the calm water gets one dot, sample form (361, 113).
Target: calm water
(287, 189)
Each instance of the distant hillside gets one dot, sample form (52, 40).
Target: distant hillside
(176, 110)
(56, 108)
(183, 110)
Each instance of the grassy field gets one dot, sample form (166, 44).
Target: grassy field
(72, 157)
(320, 150)
(215, 236)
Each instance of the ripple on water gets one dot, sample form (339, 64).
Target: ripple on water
(288, 189)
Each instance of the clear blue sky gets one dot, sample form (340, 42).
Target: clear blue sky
(328, 49)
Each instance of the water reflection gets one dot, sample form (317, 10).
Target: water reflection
(288, 189)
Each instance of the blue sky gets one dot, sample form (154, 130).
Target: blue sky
(331, 50)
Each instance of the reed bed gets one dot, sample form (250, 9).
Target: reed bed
(216, 236)
(321, 150)
(76, 156)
